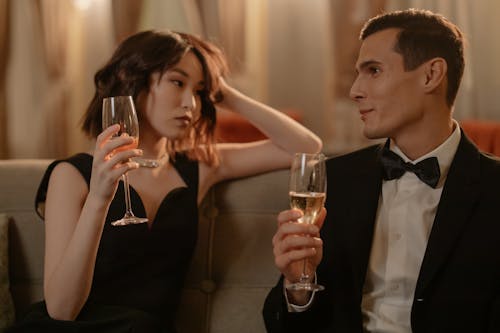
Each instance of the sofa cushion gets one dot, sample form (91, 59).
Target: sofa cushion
(6, 305)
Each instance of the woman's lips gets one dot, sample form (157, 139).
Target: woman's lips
(185, 120)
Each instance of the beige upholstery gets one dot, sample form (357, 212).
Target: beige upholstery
(231, 272)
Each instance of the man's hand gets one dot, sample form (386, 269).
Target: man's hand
(292, 244)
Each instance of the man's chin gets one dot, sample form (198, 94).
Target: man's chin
(373, 134)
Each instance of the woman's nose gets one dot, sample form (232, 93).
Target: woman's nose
(189, 100)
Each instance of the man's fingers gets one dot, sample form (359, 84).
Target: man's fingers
(290, 215)
(294, 229)
(284, 260)
(320, 218)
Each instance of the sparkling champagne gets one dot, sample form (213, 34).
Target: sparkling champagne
(309, 203)
(133, 145)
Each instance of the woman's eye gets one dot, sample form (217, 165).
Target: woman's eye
(177, 83)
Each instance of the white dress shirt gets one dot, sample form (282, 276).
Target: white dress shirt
(406, 211)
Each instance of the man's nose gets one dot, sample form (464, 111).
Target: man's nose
(356, 93)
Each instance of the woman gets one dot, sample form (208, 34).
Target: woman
(102, 277)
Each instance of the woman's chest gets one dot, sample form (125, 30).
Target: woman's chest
(153, 187)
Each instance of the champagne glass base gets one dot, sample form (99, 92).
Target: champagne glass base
(129, 220)
(305, 286)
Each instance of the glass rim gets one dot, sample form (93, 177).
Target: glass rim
(120, 96)
(321, 155)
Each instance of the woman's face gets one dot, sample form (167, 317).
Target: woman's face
(173, 101)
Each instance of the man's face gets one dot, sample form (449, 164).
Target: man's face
(389, 98)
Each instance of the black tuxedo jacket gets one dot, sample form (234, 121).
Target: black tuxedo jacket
(458, 288)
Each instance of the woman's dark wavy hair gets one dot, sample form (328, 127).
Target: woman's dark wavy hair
(129, 72)
(424, 35)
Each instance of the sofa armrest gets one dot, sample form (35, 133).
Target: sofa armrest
(19, 181)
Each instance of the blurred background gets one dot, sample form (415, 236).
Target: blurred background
(294, 55)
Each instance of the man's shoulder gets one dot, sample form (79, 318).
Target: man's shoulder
(364, 155)
(490, 168)
(490, 160)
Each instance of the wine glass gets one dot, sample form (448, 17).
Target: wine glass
(307, 193)
(121, 110)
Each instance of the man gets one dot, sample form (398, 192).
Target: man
(411, 238)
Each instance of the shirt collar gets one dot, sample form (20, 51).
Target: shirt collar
(444, 153)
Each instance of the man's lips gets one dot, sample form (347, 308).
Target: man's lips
(363, 113)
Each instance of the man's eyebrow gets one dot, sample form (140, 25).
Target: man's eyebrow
(368, 63)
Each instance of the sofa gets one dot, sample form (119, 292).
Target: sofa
(485, 134)
(232, 269)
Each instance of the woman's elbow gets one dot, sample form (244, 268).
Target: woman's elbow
(61, 310)
(315, 145)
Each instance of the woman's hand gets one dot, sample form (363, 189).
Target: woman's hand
(232, 99)
(111, 161)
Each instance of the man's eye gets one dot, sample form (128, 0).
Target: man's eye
(374, 70)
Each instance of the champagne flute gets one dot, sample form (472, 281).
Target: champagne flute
(307, 193)
(121, 110)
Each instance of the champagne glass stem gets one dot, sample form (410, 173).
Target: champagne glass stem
(304, 277)
(128, 204)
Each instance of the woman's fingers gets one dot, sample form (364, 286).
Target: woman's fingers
(112, 158)
(120, 169)
(107, 134)
(117, 160)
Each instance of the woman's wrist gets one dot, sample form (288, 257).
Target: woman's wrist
(96, 202)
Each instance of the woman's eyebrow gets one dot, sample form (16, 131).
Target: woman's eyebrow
(180, 71)
(185, 74)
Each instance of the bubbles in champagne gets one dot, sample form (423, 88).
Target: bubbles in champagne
(309, 203)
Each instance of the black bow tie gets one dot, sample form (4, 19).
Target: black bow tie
(394, 167)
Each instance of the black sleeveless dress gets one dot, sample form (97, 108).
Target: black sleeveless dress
(139, 270)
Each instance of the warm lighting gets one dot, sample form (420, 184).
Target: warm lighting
(82, 4)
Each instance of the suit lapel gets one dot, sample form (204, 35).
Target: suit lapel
(458, 198)
(367, 189)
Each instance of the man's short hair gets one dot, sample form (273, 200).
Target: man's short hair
(424, 35)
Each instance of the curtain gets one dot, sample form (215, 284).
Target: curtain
(126, 16)
(4, 56)
(232, 32)
(54, 18)
(223, 22)
(348, 18)
(240, 28)
(193, 17)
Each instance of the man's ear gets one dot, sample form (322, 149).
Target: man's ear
(435, 73)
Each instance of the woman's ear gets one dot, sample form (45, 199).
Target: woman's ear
(435, 71)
